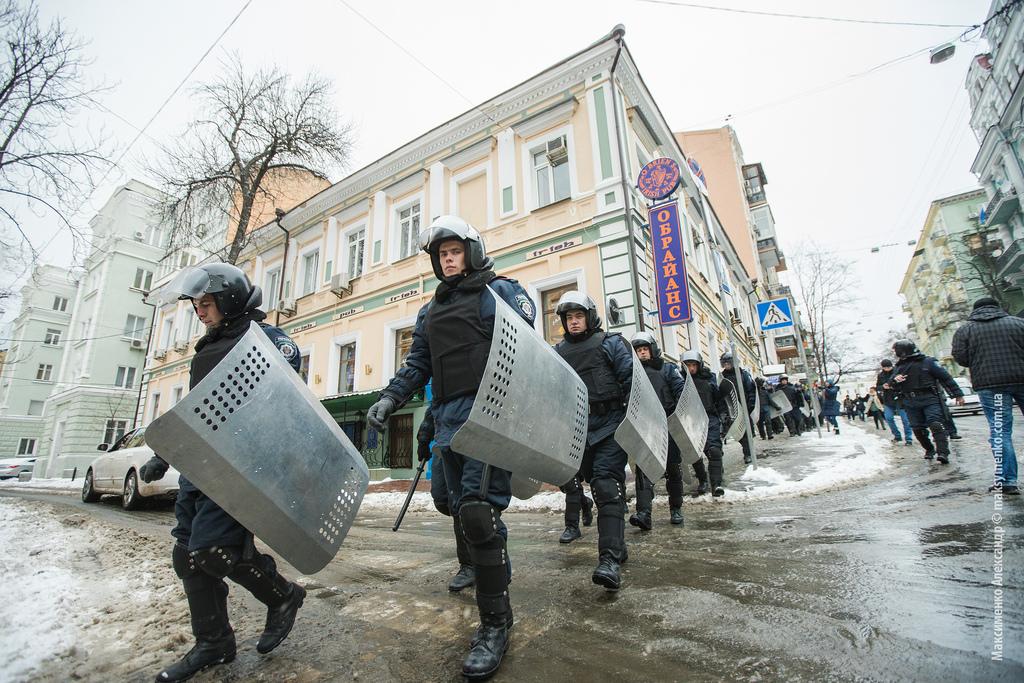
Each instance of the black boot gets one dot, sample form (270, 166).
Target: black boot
(642, 520)
(922, 437)
(941, 441)
(607, 573)
(611, 532)
(491, 640)
(570, 534)
(280, 620)
(674, 484)
(587, 510)
(715, 471)
(466, 576)
(644, 502)
(257, 573)
(677, 516)
(701, 472)
(573, 491)
(215, 641)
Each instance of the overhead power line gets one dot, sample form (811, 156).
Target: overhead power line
(813, 17)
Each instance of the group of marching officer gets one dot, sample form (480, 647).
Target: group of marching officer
(450, 347)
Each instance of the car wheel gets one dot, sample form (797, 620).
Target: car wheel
(131, 499)
(89, 494)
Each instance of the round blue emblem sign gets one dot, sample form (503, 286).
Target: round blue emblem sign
(659, 178)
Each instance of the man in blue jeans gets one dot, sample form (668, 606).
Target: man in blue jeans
(991, 344)
(891, 405)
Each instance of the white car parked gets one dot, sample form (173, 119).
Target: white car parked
(117, 472)
(972, 404)
(13, 467)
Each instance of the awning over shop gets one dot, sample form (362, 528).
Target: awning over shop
(353, 406)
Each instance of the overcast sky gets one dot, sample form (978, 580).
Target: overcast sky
(850, 166)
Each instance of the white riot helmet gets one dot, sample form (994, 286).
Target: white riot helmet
(578, 301)
(646, 339)
(692, 356)
(454, 228)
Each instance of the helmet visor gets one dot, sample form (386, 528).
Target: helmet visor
(574, 301)
(433, 235)
(190, 283)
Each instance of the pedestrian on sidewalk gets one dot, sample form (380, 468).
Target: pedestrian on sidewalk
(830, 404)
(859, 406)
(918, 380)
(875, 409)
(991, 344)
(891, 404)
(848, 408)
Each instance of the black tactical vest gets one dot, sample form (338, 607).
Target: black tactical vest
(591, 363)
(917, 379)
(702, 382)
(459, 343)
(661, 387)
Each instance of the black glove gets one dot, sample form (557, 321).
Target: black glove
(378, 414)
(154, 469)
(423, 452)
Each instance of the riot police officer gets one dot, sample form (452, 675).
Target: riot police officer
(749, 395)
(605, 364)
(576, 503)
(794, 418)
(711, 399)
(210, 545)
(465, 576)
(451, 342)
(917, 379)
(668, 384)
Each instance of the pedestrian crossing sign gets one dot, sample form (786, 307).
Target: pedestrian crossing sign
(774, 314)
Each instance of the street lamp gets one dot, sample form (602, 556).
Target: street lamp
(941, 53)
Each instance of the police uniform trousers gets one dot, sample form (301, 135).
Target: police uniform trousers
(925, 411)
(645, 488)
(713, 451)
(574, 496)
(442, 497)
(604, 467)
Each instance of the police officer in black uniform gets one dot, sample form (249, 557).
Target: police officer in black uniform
(794, 418)
(749, 394)
(605, 364)
(668, 384)
(714, 406)
(451, 342)
(466, 576)
(210, 544)
(917, 379)
(576, 503)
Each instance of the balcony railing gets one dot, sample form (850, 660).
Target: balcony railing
(1001, 207)
(1011, 261)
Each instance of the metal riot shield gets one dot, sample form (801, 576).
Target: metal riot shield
(688, 423)
(782, 401)
(805, 411)
(643, 433)
(524, 487)
(755, 412)
(815, 403)
(254, 439)
(734, 407)
(530, 414)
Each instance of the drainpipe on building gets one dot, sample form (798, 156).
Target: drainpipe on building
(278, 215)
(617, 34)
(149, 341)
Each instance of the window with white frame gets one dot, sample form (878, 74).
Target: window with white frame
(304, 367)
(60, 303)
(550, 162)
(347, 368)
(403, 342)
(154, 406)
(408, 230)
(26, 446)
(176, 395)
(553, 330)
(355, 250)
(114, 430)
(310, 267)
(271, 283)
(44, 372)
(35, 407)
(125, 377)
(143, 279)
(166, 330)
(154, 235)
(52, 337)
(135, 327)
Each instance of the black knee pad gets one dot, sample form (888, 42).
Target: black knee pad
(937, 428)
(479, 521)
(714, 453)
(674, 472)
(183, 563)
(442, 507)
(606, 490)
(217, 561)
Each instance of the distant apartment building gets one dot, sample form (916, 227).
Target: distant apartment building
(994, 86)
(94, 394)
(33, 359)
(537, 170)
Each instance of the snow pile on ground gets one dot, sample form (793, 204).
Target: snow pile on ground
(422, 502)
(810, 465)
(59, 485)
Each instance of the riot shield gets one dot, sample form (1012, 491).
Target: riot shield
(805, 411)
(782, 401)
(737, 426)
(643, 433)
(524, 487)
(530, 414)
(755, 412)
(254, 439)
(815, 403)
(688, 423)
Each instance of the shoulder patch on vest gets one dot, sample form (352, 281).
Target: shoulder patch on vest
(525, 305)
(287, 348)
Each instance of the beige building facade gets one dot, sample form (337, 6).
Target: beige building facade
(546, 171)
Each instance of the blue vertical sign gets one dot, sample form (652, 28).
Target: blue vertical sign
(673, 291)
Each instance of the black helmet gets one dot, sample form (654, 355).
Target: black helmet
(904, 348)
(228, 284)
(646, 339)
(578, 301)
(454, 228)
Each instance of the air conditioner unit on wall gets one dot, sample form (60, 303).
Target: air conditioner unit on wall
(287, 307)
(139, 235)
(558, 152)
(340, 284)
(160, 355)
(181, 346)
(137, 344)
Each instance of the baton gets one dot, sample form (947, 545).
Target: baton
(408, 497)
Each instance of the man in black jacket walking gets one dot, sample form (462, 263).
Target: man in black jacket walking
(917, 380)
(991, 344)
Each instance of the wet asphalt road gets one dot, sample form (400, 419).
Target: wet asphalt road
(889, 579)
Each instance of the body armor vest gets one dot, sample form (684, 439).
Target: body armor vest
(459, 344)
(661, 387)
(590, 362)
(917, 379)
(702, 381)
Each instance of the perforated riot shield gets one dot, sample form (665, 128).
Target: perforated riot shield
(254, 439)
(688, 423)
(524, 487)
(530, 414)
(815, 404)
(643, 433)
(782, 401)
(732, 403)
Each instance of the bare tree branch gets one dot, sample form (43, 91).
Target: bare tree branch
(259, 133)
